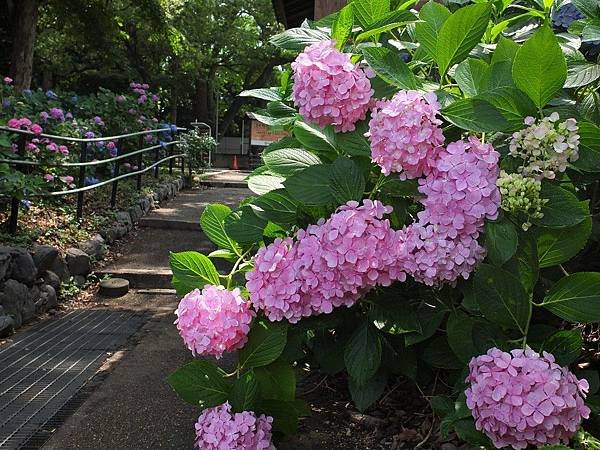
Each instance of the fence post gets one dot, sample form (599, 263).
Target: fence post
(15, 202)
(113, 194)
(172, 148)
(156, 159)
(140, 161)
(81, 181)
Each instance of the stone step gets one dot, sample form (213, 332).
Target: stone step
(141, 278)
(168, 224)
(224, 184)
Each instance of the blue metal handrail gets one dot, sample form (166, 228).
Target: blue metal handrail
(83, 163)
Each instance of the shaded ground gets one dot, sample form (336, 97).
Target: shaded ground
(132, 406)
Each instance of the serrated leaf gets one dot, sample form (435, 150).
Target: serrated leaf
(276, 381)
(315, 138)
(369, 11)
(213, 225)
(266, 342)
(261, 184)
(192, 270)
(298, 38)
(347, 180)
(288, 161)
(277, 207)
(263, 93)
(501, 297)
(311, 186)
(200, 383)
(589, 148)
(472, 76)
(433, 16)
(501, 241)
(364, 395)
(460, 33)
(244, 392)
(576, 297)
(362, 354)
(474, 114)
(563, 208)
(556, 246)
(565, 346)
(244, 225)
(539, 68)
(581, 73)
(513, 104)
(390, 67)
(342, 26)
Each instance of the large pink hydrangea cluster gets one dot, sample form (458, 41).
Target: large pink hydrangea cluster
(220, 429)
(459, 194)
(405, 134)
(521, 398)
(329, 89)
(213, 321)
(332, 263)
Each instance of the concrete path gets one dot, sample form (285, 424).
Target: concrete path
(131, 406)
(226, 178)
(174, 227)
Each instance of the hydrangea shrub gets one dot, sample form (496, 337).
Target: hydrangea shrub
(429, 215)
(65, 114)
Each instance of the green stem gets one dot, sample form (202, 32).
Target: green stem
(526, 331)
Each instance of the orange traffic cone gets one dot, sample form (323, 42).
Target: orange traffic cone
(235, 164)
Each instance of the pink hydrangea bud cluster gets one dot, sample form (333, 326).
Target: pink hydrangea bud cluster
(330, 264)
(522, 398)
(220, 429)
(213, 321)
(329, 89)
(405, 134)
(460, 192)
(25, 124)
(546, 146)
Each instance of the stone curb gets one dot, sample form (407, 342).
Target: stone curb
(30, 280)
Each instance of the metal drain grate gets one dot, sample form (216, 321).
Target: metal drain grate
(43, 369)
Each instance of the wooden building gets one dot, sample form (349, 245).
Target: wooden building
(291, 13)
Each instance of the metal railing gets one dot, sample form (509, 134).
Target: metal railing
(24, 165)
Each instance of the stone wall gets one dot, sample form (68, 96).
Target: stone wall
(30, 280)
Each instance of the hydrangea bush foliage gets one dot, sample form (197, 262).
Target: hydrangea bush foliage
(429, 215)
(66, 114)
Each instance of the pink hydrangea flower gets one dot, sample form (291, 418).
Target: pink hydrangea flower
(8, 80)
(219, 428)
(120, 98)
(331, 264)
(329, 89)
(68, 179)
(436, 258)
(213, 321)
(36, 129)
(405, 134)
(49, 177)
(460, 192)
(63, 149)
(523, 398)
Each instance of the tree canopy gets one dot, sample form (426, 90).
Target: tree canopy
(194, 51)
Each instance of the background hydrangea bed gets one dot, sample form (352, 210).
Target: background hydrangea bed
(430, 215)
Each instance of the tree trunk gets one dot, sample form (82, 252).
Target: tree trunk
(21, 67)
(200, 105)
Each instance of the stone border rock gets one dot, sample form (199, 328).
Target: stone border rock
(30, 280)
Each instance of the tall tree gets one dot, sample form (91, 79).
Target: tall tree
(25, 16)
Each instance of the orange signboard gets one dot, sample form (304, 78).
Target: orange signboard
(260, 134)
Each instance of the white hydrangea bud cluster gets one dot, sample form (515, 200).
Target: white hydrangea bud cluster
(521, 196)
(546, 146)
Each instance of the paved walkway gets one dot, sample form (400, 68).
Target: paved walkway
(173, 228)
